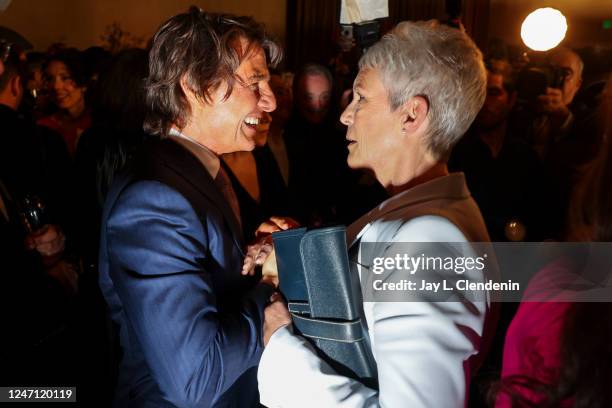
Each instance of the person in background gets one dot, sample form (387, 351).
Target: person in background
(507, 181)
(38, 285)
(257, 181)
(556, 104)
(313, 93)
(33, 160)
(34, 103)
(551, 117)
(118, 111)
(315, 148)
(562, 132)
(503, 173)
(95, 61)
(282, 86)
(66, 79)
(558, 353)
(575, 144)
(105, 149)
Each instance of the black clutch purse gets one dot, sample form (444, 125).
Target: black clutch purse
(324, 298)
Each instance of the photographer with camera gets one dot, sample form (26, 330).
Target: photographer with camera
(546, 94)
(558, 129)
(558, 118)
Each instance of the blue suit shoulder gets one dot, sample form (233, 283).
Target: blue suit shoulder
(171, 276)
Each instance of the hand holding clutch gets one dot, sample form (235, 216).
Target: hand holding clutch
(258, 252)
(276, 316)
(275, 224)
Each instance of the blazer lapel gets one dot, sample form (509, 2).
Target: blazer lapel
(450, 186)
(189, 168)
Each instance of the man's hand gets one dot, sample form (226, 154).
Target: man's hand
(276, 316)
(552, 103)
(269, 270)
(49, 241)
(257, 254)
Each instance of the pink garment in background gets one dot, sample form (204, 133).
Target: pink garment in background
(532, 345)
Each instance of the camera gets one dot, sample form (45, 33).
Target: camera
(365, 33)
(533, 80)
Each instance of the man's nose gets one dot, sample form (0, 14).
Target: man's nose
(267, 100)
(317, 104)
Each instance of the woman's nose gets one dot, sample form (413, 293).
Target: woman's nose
(347, 116)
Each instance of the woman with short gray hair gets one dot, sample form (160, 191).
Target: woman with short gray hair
(432, 61)
(417, 92)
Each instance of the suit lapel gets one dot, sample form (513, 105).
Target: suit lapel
(183, 163)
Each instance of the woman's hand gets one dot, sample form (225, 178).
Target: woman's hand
(275, 224)
(258, 252)
(269, 270)
(276, 316)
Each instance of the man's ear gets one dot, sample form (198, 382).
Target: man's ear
(413, 113)
(186, 89)
(191, 96)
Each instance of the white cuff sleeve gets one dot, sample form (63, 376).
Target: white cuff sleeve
(292, 375)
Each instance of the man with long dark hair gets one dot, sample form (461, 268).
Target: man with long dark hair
(171, 245)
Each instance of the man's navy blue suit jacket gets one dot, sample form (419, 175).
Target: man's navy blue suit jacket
(170, 262)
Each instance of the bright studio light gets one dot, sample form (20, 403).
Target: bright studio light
(544, 29)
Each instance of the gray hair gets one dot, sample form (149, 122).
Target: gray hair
(439, 63)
